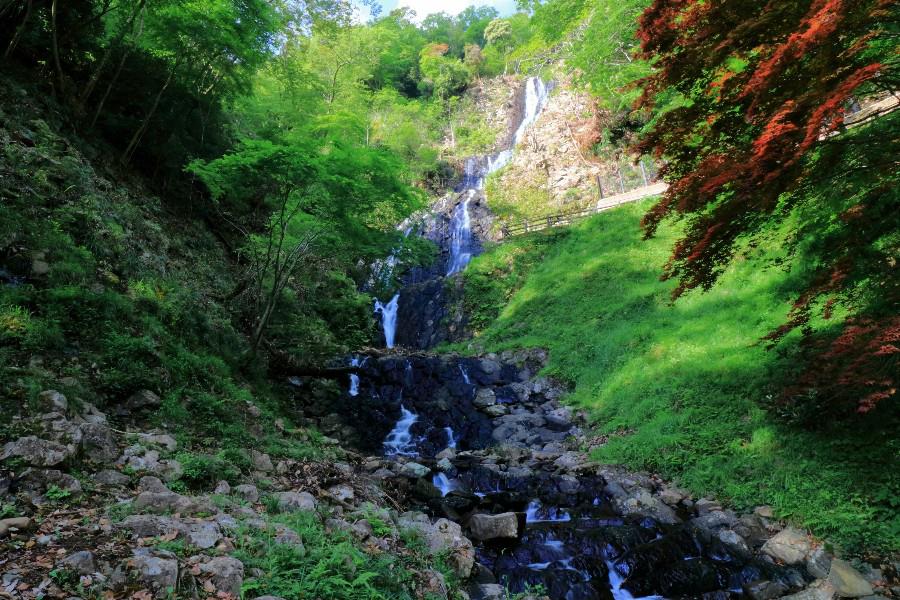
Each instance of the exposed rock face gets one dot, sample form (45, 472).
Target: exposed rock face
(227, 574)
(443, 536)
(36, 452)
(294, 502)
(847, 581)
(551, 161)
(155, 569)
(790, 546)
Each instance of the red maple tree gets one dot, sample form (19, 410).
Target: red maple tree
(750, 105)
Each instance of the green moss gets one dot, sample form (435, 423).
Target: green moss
(682, 389)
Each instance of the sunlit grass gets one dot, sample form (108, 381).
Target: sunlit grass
(687, 383)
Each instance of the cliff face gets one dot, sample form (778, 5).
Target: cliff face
(554, 168)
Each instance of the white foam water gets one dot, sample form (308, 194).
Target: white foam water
(400, 442)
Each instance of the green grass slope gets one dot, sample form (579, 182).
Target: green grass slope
(681, 389)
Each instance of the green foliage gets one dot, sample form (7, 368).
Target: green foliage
(202, 471)
(442, 76)
(515, 201)
(682, 390)
(56, 494)
(604, 52)
(328, 565)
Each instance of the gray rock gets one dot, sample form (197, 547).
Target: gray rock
(38, 481)
(247, 492)
(641, 503)
(341, 492)
(81, 562)
(495, 410)
(91, 414)
(202, 534)
(223, 488)
(110, 477)
(733, 539)
(818, 563)
(295, 501)
(14, 524)
(672, 496)
(716, 520)
(765, 590)
(790, 546)
(435, 586)
(145, 526)
(98, 443)
(491, 527)
(155, 570)
(167, 502)
(142, 399)
(261, 461)
(568, 484)
(53, 401)
(570, 460)
(704, 506)
(161, 440)
(444, 464)
(847, 581)
(227, 574)
(149, 483)
(488, 591)
(414, 470)
(448, 453)
(484, 397)
(169, 469)
(443, 537)
(36, 452)
(821, 590)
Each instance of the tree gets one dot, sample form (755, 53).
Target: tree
(443, 75)
(751, 102)
(474, 58)
(498, 33)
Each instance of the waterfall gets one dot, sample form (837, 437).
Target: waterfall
(354, 378)
(461, 241)
(388, 318)
(465, 375)
(400, 442)
(443, 483)
(451, 438)
(536, 95)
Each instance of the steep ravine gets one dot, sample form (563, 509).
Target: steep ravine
(482, 446)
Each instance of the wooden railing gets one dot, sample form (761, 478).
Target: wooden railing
(508, 230)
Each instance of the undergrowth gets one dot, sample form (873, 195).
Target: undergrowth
(685, 389)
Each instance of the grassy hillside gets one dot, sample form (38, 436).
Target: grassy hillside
(682, 390)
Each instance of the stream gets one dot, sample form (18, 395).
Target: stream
(485, 442)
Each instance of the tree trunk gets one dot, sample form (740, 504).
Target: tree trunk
(95, 76)
(19, 30)
(55, 46)
(136, 138)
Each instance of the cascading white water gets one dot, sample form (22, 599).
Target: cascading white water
(465, 375)
(388, 318)
(451, 437)
(535, 513)
(461, 241)
(354, 378)
(443, 483)
(400, 442)
(535, 99)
